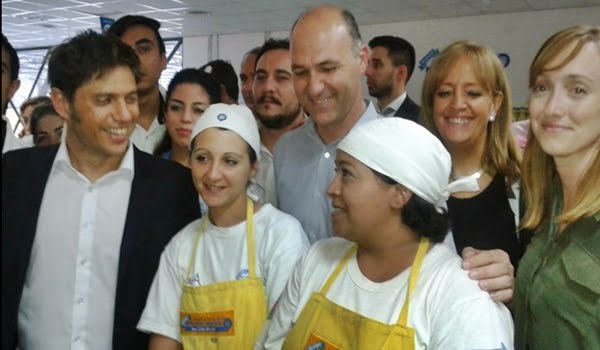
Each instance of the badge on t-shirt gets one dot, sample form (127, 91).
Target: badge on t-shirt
(208, 323)
(317, 343)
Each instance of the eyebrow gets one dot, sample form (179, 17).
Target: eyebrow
(578, 77)
(283, 71)
(144, 41)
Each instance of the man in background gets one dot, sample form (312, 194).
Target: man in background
(142, 35)
(277, 108)
(10, 85)
(247, 76)
(391, 64)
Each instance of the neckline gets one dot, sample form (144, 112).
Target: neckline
(476, 175)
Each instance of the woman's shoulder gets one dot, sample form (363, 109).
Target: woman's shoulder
(185, 236)
(443, 272)
(327, 251)
(270, 217)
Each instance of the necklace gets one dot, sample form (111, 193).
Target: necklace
(476, 175)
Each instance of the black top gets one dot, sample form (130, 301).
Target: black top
(486, 221)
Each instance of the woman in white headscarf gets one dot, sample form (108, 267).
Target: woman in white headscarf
(385, 282)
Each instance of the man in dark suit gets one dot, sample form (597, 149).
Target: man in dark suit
(391, 64)
(84, 223)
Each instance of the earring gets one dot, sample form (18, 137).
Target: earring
(492, 117)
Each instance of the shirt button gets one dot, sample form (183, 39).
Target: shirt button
(327, 155)
(77, 339)
(90, 189)
(83, 262)
(80, 301)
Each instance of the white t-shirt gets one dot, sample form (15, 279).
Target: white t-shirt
(447, 309)
(222, 255)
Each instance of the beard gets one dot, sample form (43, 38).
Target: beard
(380, 92)
(278, 121)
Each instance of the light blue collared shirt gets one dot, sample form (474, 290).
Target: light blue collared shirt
(304, 167)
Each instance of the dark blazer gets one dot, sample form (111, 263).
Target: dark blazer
(162, 201)
(409, 110)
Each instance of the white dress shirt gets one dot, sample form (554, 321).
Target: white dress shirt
(11, 141)
(265, 178)
(148, 140)
(69, 293)
(392, 107)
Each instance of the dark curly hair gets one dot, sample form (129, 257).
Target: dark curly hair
(421, 216)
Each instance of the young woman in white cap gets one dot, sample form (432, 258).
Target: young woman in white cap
(220, 276)
(384, 282)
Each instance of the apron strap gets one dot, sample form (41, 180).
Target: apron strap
(195, 246)
(412, 281)
(250, 238)
(338, 269)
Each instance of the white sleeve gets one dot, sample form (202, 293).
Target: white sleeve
(477, 323)
(290, 246)
(161, 314)
(281, 322)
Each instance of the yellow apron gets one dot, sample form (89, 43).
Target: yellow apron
(225, 315)
(324, 325)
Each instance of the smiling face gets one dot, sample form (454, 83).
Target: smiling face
(221, 168)
(564, 105)
(276, 103)
(186, 104)
(361, 201)
(462, 107)
(326, 69)
(101, 116)
(152, 62)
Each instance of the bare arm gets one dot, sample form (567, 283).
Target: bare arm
(160, 342)
(493, 270)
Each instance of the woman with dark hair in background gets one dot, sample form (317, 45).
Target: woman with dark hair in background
(385, 282)
(190, 93)
(557, 301)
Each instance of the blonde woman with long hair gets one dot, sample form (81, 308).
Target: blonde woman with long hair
(558, 282)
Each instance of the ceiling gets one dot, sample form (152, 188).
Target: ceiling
(29, 23)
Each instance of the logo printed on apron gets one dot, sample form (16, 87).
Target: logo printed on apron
(317, 343)
(209, 323)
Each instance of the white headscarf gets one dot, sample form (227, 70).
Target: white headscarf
(408, 153)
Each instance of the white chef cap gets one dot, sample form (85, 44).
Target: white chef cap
(409, 154)
(238, 119)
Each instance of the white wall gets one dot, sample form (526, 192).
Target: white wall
(517, 34)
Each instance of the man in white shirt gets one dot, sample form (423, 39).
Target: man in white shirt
(141, 33)
(391, 64)
(10, 85)
(84, 223)
(276, 107)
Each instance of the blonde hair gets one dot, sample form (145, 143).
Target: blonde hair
(538, 168)
(501, 154)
